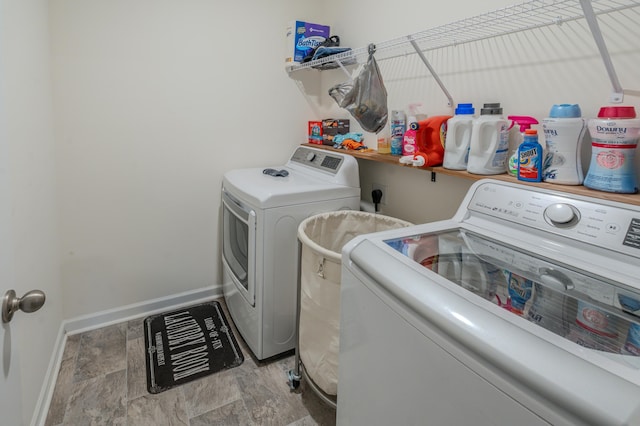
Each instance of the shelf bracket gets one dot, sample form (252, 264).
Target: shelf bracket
(433, 176)
(431, 70)
(343, 68)
(617, 96)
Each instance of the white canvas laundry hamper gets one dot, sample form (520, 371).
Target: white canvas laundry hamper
(321, 238)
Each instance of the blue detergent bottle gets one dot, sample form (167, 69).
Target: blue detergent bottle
(530, 157)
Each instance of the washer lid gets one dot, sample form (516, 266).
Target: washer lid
(573, 362)
(266, 191)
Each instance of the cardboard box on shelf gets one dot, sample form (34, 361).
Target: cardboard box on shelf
(302, 38)
(332, 127)
(314, 132)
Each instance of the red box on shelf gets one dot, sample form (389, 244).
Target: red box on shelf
(315, 132)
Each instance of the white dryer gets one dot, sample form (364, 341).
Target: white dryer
(262, 209)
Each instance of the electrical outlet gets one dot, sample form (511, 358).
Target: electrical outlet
(382, 188)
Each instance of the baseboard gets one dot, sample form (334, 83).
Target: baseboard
(105, 318)
(49, 383)
(130, 312)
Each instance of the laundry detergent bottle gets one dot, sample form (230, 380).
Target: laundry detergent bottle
(564, 131)
(530, 157)
(432, 133)
(614, 138)
(456, 146)
(489, 144)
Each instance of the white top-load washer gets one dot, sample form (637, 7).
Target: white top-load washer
(523, 309)
(262, 209)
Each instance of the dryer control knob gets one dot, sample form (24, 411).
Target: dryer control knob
(311, 156)
(560, 214)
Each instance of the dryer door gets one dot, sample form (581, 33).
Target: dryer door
(239, 244)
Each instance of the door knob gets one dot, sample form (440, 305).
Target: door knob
(30, 302)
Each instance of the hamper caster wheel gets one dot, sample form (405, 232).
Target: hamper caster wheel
(294, 380)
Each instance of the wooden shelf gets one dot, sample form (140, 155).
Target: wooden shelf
(633, 199)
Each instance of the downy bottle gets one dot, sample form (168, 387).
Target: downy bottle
(564, 131)
(614, 139)
(489, 144)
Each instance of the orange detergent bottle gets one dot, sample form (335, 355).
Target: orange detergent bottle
(431, 134)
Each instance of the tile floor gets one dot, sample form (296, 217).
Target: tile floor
(102, 381)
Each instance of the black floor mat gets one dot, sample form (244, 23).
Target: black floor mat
(186, 344)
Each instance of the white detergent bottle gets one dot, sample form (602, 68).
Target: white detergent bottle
(456, 146)
(489, 145)
(564, 131)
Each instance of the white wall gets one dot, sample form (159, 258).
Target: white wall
(28, 157)
(154, 101)
(527, 72)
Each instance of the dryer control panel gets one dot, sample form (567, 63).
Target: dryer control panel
(325, 166)
(317, 159)
(609, 225)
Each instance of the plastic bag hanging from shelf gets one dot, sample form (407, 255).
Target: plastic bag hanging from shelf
(365, 97)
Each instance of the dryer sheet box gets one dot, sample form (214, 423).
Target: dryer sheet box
(303, 38)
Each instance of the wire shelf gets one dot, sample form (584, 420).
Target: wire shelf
(525, 16)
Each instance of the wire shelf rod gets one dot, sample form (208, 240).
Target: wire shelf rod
(528, 15)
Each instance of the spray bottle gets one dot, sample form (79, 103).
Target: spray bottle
(525, 123)
(398, 126)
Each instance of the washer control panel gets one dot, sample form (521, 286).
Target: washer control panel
(594, 221)
(561, 215)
